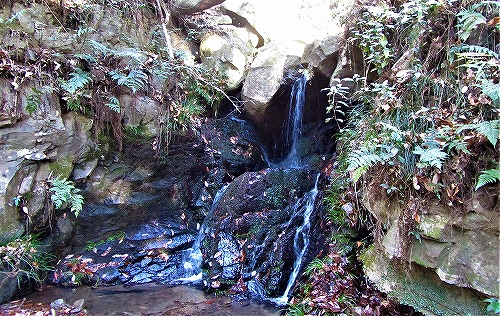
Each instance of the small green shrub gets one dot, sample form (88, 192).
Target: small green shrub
(24, 257)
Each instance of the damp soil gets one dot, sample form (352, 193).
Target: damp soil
(150, 299)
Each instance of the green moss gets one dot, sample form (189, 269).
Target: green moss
(419, 287)
(62, 167)
(136, 132)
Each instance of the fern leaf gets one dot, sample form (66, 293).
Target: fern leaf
(100, 48)
(78, 79)
(135, 80)
(365, 158)
(64, 191)
(433, 157)
(468, 20)
(113, 104)
(490, 129)
(492, 91)
(88, 58)
(467, 51)
(487, 177)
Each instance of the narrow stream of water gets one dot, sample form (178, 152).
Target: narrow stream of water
(294, 126)
(192, 257)
(305, 206)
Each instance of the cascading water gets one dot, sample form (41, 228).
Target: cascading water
(294, 127)
(192, 257)
(305, 205)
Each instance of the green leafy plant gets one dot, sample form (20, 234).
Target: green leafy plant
(63, 192)
(493, 305)
(135, 80)
(113, 104)
(432, 157)
(490, 129)
(73, 88)
(488, 177)
(24, 257)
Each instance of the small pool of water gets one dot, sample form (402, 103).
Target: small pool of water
(151, 299)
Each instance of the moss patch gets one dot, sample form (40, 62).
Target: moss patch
(419, 287)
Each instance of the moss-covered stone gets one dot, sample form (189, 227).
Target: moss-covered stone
(419, 287)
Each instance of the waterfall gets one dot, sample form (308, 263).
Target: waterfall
(301, 239)
(192, 258)
(294, 127)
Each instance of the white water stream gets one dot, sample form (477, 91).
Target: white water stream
(192, 257)
(305, 206)
(294, 127)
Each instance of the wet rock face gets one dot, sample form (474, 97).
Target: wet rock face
(142, 212)
(232, 145)
(249, 234)
(147, 252)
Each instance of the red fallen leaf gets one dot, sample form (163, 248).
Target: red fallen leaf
(494, 22)
(416, 217)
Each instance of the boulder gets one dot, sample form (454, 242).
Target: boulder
(250, 231)
(323, 54)
(461, 248)
(419, 287)
(233, 147)
(183, 7)
(228, 51)
(266, 73)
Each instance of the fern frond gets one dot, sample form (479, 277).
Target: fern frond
(98, 47)
(137, 56)
(64, 191)
(468, 51)
(487, 177)
(113, 104)
(88, 58)
(490, 129)
(468, 20)
(492, 91)
(78, 79)
(366, 158)
(135, 80)
(433, 157)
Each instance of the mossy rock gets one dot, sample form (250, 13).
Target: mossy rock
(419, 287)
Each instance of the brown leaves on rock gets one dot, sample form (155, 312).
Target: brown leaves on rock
(337, 288)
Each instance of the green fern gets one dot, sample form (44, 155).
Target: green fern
(487, 177)
(432, 157)
(78, 79)
(135, 80)
(367, 158)
(64, 191)
(88, 58)
(99, 48)
(113, 104)
(468, 21)
(492, 91)
(466, 51)
(490, 129)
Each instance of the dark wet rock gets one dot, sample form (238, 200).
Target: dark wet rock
(109, 274)
(179, 242)
(251, 230)
(233, 146)
(91, 210)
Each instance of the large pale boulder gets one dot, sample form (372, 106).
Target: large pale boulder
(193, 6)
(323, 54)
(461, 248)
(265, 76)
(229, 52)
